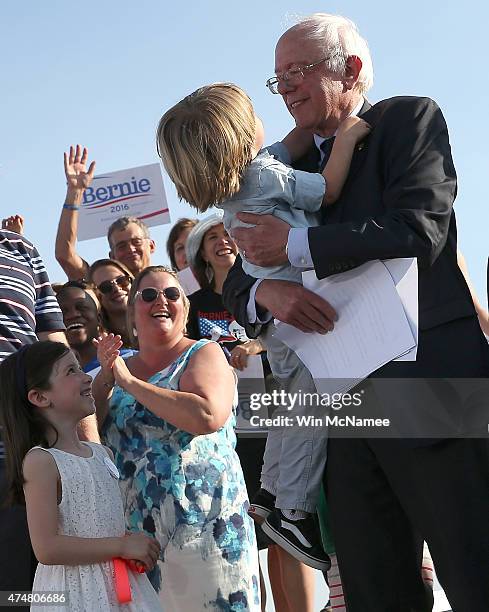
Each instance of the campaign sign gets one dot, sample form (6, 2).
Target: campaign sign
(136, 192)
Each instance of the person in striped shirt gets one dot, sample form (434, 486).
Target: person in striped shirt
(28, 312)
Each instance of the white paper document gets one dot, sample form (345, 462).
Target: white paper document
(372, 328)
(404, 272)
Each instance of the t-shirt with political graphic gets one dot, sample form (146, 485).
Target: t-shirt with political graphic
(209, 319)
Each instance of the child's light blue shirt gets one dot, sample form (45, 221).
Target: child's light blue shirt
(270, 187)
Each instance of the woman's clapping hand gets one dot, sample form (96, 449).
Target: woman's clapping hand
(114, 369)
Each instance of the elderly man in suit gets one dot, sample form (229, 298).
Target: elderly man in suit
(385, 495)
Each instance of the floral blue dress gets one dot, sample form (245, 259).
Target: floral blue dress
(188, 491)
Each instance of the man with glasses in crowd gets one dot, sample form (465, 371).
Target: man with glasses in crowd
(129, 238)
(384, 495)
(130, 243)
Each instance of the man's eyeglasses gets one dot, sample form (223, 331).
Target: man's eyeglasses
(292, 77)
(106, 287)
(150, 294)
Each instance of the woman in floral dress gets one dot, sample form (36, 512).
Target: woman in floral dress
(168, 417)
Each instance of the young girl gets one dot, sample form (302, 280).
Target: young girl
(70, 488)
(211, 146)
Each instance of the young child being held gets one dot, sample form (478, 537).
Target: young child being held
(70, 488)
(211, 144)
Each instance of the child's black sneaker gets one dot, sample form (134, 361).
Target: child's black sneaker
(302, 538)
(261, 505)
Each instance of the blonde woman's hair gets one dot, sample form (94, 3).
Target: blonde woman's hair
(206, 141)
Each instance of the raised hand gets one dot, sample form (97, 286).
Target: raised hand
(77, 175)
(108, 346)
(113, 366)
(14, 223)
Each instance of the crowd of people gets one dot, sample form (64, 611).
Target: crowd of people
(123, 457)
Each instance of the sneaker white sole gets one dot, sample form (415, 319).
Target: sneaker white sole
(296, 552)
(258, 513)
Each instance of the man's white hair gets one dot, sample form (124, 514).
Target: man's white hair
(338, 37)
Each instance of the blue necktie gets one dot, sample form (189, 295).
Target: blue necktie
(326, 147)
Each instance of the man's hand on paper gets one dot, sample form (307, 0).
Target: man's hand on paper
(293, 304)
(264, 244)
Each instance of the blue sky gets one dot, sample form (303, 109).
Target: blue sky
(102, 73)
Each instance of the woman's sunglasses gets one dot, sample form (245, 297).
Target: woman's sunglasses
(149, 294)
(106, 287)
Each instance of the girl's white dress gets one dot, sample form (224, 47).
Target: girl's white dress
(91, 507)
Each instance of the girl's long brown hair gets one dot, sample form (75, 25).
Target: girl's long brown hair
(24, 425)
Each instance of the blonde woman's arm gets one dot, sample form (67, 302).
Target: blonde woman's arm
(206, 394)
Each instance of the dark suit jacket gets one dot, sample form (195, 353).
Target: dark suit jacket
(396, 202)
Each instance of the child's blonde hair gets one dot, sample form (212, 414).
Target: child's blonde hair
(206, 141)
